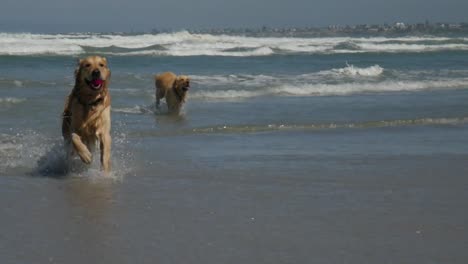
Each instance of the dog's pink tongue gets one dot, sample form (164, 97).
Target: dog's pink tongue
(97, 82)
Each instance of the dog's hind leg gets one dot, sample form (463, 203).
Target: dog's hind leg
(81, 149)
(159, 95)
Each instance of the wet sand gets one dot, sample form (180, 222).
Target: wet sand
(263, 208)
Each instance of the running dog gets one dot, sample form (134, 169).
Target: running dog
(86, 118)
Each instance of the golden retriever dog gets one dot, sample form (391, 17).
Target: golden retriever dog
(86, 117)
(173, 88)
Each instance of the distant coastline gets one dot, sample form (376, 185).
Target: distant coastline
(395, 29)
(337, 30)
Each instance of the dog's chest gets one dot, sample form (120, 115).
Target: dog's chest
(89, 122)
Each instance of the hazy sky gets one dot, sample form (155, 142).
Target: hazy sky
(144, 15)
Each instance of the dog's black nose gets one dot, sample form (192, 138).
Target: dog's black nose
(96, 74)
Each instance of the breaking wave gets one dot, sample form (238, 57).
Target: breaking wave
(351, 70)
(184, 43)
(321, 89)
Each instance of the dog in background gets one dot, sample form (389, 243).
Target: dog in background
(86, 118)
(172, 87)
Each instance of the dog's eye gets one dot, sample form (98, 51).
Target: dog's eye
(87, 65)
(102, 65)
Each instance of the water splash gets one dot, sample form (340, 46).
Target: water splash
(32, 153)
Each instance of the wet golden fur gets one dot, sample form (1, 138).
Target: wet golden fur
(86, 117)
(173, 88)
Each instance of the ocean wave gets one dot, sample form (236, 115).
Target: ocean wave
(336, 81)
(263, 80)
(8, 83)
(325, 126)
(11, 100)
(321, 89)
(187, 44)
(135, 110)
(237, 79)
(127, 110)
(261, 128)
(346, 45)
(260, 51)
(348, 73)
(351, 70)
(18, 83)
(21, 83)
(406, 47)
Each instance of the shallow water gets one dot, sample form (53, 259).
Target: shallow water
(335, 154)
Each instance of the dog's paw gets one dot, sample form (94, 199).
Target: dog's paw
(86, 156)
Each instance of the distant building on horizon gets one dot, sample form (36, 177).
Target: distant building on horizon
(400, 25)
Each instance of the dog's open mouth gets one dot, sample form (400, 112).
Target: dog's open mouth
(186, 88)
(95, 84)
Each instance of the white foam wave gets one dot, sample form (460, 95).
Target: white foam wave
(11, 100)
(331, 89)
(228, 94)
(186, 44)
(406, 47)
(351, 70)
(11, 83)
(349, 73)
(260, 128)
(135, 110)
(237, 79)
(261, 51)
(453, 121)
(18, 83)
(250, 80)
(353, 88)
(128, 110)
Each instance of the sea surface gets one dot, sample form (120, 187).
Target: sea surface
(288, 150)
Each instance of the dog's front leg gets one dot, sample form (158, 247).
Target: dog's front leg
(81, 149)
(68, 148)
(105, 146)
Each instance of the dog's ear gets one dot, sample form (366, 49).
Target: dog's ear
(179, 80)
(175, 83)
(104, 59)
(77, 68)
